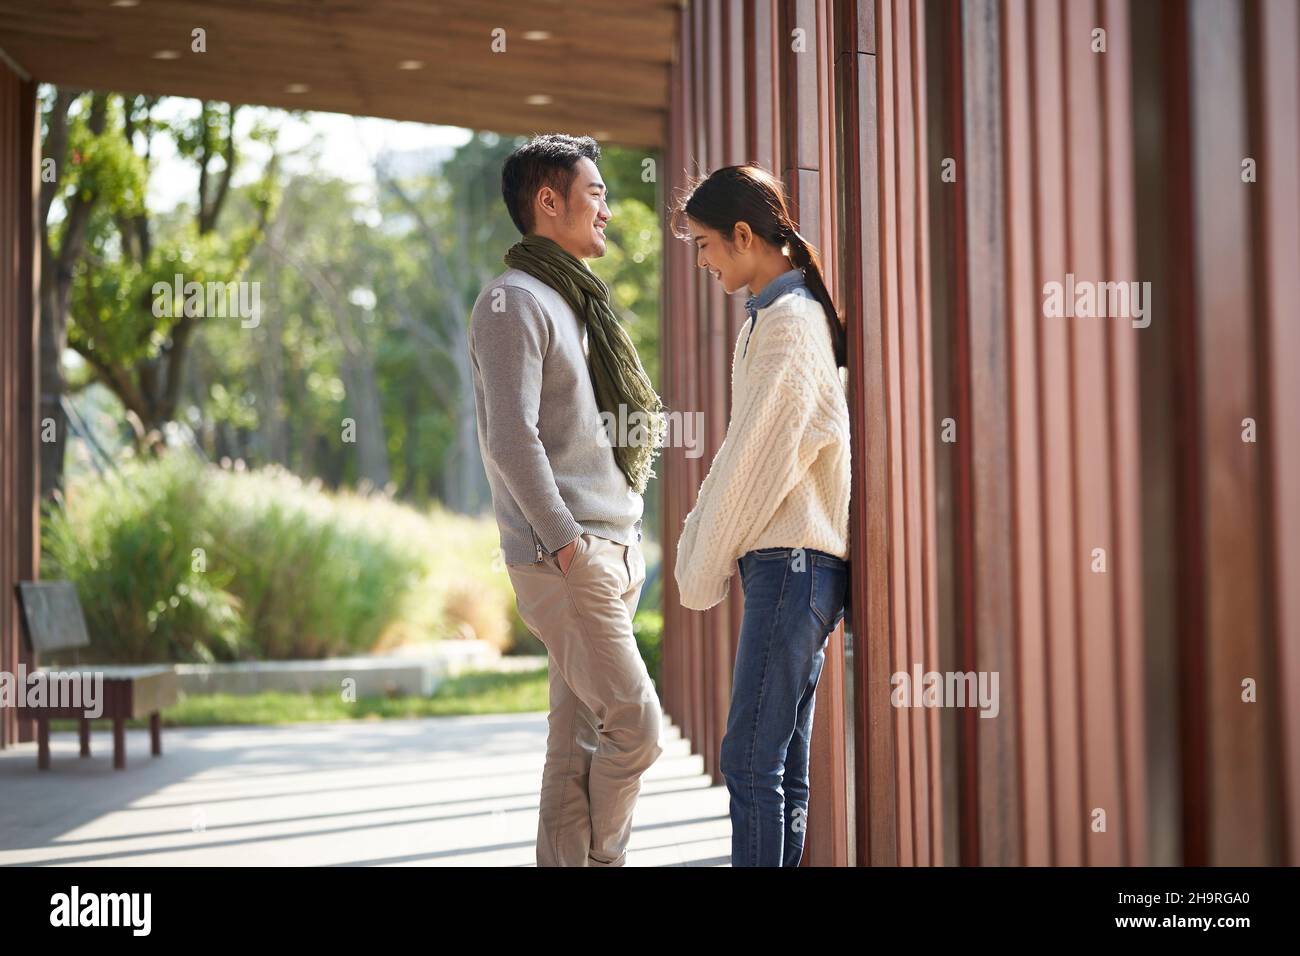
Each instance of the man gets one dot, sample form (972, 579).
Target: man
(568, 499)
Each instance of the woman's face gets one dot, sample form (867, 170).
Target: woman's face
(730, 263)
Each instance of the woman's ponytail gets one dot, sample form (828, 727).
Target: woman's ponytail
(805, 257)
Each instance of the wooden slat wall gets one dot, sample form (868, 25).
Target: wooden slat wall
(1224, 90)
(1120, 691)
(1044, 473)
(1078, 439)
(19, 541)
(740, 93)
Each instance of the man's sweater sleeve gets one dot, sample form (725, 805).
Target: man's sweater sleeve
(508, 348)
(766, 451)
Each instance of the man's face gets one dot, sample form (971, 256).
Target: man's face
(579, 219)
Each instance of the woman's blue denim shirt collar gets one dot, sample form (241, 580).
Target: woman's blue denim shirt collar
(782, 284)
(790, 281)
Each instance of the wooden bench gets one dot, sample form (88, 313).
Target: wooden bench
(53, 622)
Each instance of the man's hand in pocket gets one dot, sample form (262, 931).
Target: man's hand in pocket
(565, 556)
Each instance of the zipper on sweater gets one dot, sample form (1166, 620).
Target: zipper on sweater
(749, 336)
(536, 543)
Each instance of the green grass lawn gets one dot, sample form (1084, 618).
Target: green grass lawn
(484, 692)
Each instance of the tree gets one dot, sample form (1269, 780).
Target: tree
(464, 229)
(79, 166)
(103, 251)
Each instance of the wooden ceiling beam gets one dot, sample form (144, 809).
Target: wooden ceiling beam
(605, 65)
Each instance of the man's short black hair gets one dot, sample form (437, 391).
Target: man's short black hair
(547, 160)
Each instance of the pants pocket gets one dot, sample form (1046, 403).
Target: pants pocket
(830, 578)
(578, 549)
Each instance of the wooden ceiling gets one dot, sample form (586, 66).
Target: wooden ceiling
(595, 67)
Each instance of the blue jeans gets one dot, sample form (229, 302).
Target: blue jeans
(794, 598)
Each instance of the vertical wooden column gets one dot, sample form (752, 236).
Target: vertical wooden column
(1228, 258)
(1024, 430)
(728, 134)
(679, 323)
(1238, 823)
(1132, 727)
(884, 212)
(858, 118)
(762, 127)
(800, 112)
(672, 462)
(1276, 49)
(10, 376)
(695, 724)
(984, 443)
(1168, 492)
(19, 462)
(717, 656)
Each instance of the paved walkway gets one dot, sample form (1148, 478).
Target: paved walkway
(443, 791)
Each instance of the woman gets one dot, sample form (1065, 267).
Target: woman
(776, 497)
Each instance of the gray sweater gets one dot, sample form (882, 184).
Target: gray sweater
(539, 428)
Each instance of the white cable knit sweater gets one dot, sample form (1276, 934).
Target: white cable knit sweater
(781, 476)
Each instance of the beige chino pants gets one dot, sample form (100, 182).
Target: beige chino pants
(605, 718)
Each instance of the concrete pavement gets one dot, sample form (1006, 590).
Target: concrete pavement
(443, 791)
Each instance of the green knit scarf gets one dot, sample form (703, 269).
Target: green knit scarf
(617, 376)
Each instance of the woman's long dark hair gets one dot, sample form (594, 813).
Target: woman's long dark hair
(751, 194)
